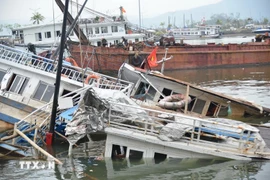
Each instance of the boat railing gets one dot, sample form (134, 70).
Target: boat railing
(38, 121)
(208, 133)
(50, 66)
(108, 82)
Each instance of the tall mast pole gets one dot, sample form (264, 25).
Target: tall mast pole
(50, 135)
(140, 21)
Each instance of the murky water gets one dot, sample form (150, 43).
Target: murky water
(250, 83)
(84, 166)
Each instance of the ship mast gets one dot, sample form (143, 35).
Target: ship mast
(50, 134)
(140, 21)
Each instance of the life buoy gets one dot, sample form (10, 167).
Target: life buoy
(136, 60)
(72, 61)
(91, 76)
(175, 101)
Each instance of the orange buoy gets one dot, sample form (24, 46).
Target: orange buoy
(72, 61)
(90, 76)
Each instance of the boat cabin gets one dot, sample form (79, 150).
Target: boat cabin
(199, 104)
(95, 31)
(156, 90)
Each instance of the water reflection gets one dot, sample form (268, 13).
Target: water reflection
(87, 164)
(250, 83)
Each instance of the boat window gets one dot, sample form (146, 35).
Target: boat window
(166, 92)
(145, 91)
(38, 36)
(89, 31)
(134, 154)
(44, 92)
(104, 29)
(57, 33)
(48, 34)
(2, 73)
(114, 28)
(159, 157)
(223, 111)
(198, 106)
(18, 85)
(151, 93)
(118, 151)
(212, 109)
(97, 30)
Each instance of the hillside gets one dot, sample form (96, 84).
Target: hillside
(257, 10)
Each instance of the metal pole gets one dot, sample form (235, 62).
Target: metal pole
(140, 21)
(71, 27)
(58, 74)
(163, 63)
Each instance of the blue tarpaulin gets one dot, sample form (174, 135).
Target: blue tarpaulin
(68, 114)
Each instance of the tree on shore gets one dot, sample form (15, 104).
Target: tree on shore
(219, 22)
(265, 21)
(162, 24)
(249, 20)
(36, 18)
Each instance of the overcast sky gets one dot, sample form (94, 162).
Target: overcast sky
(20, 11)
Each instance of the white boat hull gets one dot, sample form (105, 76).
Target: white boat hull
(150, 145)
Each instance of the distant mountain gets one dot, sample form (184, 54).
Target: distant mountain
(256, 9)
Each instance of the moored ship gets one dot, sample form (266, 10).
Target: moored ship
(184, 56)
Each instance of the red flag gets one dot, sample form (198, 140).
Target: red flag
(152, 58)
(123, 10)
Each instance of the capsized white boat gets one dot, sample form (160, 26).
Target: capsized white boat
(27, 82)
(27, 87)
(152, 87)
(136, 132)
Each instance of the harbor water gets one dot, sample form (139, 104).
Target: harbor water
(251, 83)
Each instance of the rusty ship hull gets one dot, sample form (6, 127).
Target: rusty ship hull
(184, 57)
